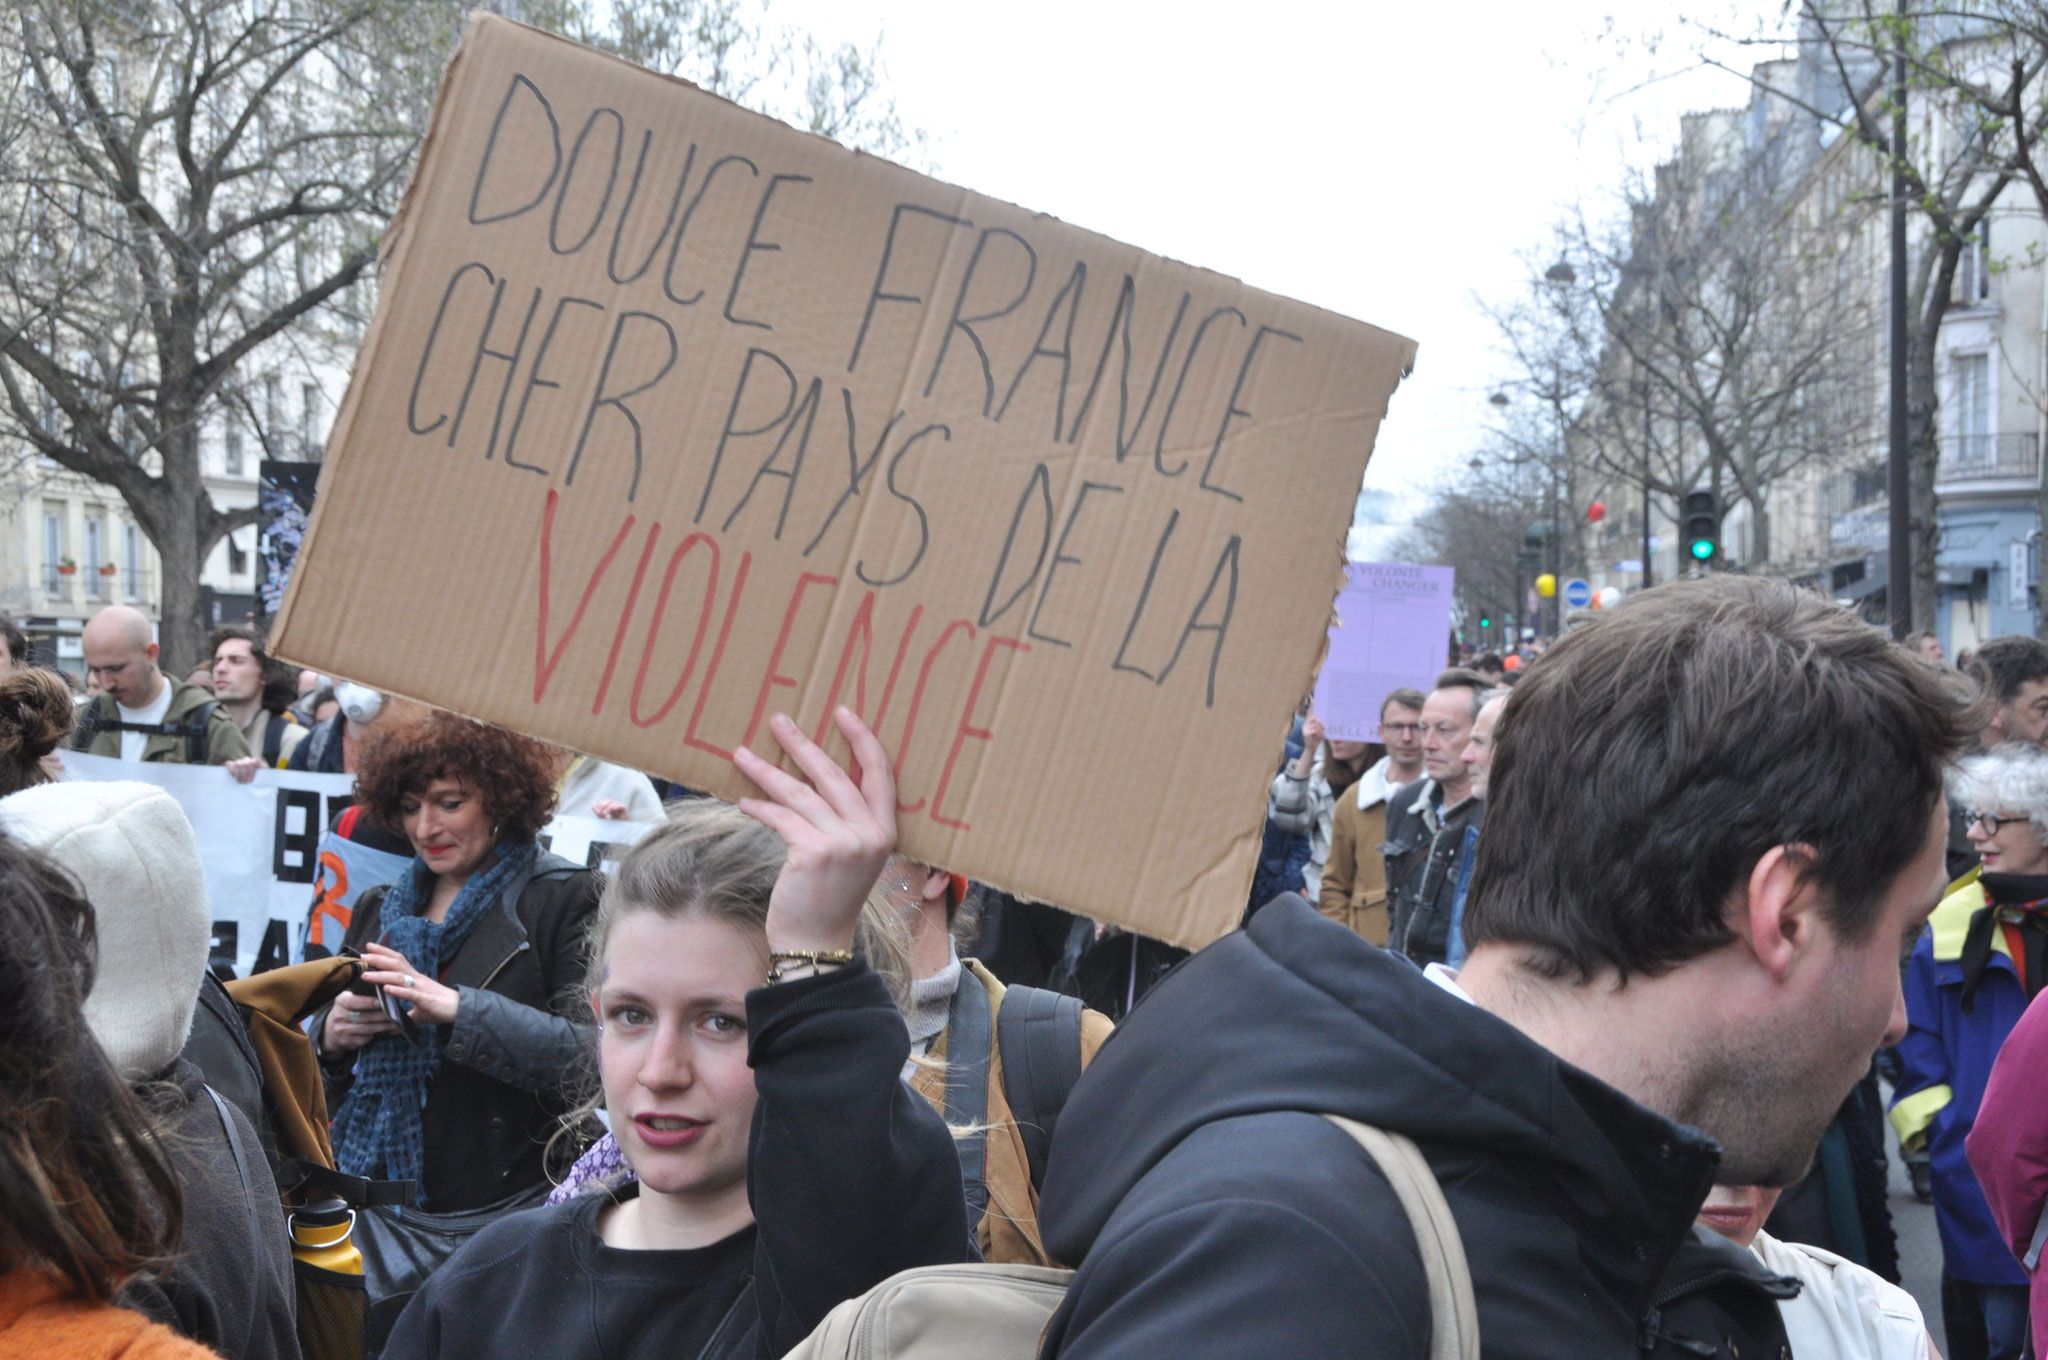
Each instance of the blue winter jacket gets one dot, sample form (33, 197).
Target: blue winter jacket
(1948, 1055)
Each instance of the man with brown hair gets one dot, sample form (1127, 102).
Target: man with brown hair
(1715, 823)
(257, 691)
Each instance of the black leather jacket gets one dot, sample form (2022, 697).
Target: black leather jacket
(518, 1055)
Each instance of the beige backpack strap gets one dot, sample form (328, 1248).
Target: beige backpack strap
(1454, 1317)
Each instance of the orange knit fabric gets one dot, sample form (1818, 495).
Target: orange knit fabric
(38, 1319)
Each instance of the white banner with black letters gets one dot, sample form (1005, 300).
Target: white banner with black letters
(268, 853)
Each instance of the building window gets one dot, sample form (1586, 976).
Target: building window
(273, 414)
(1973, 268)
(231, 447)
(131, 563)
(1973, 409)
(53, 552)
(95, 554)
(238, 560)
(309, 421)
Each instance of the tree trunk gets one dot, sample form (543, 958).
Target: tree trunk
(1759, 532)
(182, 632)
(1923, 452)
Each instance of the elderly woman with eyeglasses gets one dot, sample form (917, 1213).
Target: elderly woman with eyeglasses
(1983, 957)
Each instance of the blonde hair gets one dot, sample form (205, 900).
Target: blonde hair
(710, 859)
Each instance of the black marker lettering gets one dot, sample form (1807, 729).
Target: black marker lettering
(1041, 484)
(876, 294)
(1059, 555)
(733, 431)
(924, 528)
(1187, 361)
(412, 407)
(857, 468)
(806, 413)
(611, 259)
(754, 243)
(1145, 594)
(534, 379)
(1232, 409)
(1069, 296)
(668, 273)
(617, 400)
(1126, 308)
(484, 166)
(1228, 558)
(967, 323)
(611, 180)
(509, 358)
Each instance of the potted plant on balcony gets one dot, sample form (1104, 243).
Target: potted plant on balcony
(66, 567)
(108, 568)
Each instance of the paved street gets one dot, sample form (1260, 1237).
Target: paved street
(1919, 1245)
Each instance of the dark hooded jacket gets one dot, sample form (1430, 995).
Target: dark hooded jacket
(1213, 1214)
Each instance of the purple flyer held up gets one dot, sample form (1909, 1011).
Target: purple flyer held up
(1392, 631)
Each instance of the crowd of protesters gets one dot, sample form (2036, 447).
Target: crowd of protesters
(1625, 944)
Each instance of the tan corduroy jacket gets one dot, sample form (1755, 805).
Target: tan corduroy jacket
(1008, 1232)
(1354, 891)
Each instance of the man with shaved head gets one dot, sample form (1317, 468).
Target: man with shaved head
(141, 713)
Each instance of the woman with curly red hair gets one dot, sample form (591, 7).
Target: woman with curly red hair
(481, 944)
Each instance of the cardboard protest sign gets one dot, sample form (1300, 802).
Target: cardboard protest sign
(276, 877)
(672, 417)
(1393, 631)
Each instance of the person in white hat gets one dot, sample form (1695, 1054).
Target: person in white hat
(131, 849)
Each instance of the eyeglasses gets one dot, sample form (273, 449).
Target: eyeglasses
(1401, 729)
(1991, 821)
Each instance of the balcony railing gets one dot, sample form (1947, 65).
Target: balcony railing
(1989, 457)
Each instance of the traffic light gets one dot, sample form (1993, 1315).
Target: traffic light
(1485, 622)
(1702, 527)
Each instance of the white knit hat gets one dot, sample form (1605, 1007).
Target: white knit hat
(132, 850)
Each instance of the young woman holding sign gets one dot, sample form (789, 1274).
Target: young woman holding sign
(752, 1069)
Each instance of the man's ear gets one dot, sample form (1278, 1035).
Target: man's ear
(1777, 913)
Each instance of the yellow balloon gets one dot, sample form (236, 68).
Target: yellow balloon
(1546, 585)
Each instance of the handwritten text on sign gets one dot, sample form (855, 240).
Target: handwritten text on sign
(673, 418)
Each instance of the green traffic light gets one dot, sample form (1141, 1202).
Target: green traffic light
(1486, 623)
(1702, 548)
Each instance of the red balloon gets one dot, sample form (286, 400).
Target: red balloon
(1595, 512)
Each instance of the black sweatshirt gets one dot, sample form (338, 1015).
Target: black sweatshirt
(853, 1177)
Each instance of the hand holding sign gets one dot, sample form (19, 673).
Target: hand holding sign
(840, 830)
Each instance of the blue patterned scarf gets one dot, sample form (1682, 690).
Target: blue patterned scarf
(376, 1131)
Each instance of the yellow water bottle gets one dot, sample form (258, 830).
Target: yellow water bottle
(323, 1235)
(329, 1269)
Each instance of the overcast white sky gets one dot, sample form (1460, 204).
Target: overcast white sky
(1386, 161)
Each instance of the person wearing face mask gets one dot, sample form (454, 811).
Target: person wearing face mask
(1983, 958)
(1841, 1310)
(331, 747)
(751, 1058)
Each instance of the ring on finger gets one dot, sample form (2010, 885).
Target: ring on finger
(408, 982)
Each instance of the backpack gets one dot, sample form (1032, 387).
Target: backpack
(273, 738)
(981, 1312)
(193, 729)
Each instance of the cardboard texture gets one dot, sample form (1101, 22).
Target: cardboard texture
(672, 417)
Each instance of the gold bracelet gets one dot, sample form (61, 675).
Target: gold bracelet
(815, 960)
